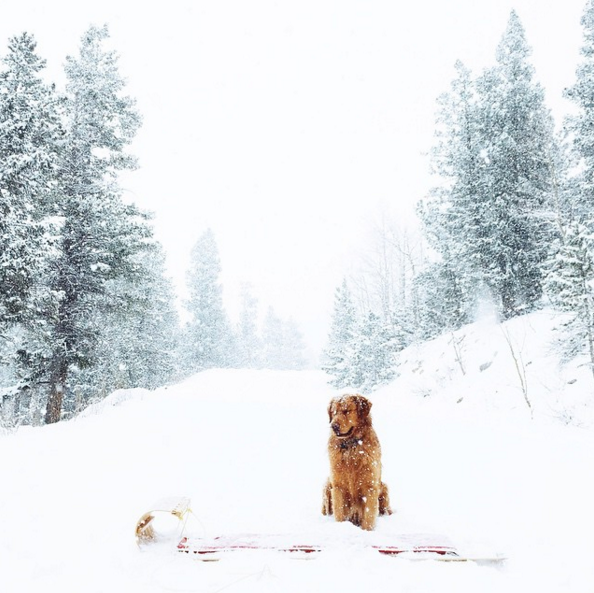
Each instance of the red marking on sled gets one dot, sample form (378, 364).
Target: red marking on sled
(221, 544)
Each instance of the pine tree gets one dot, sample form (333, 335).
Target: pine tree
(30, 136)
(340, 340)
(455, 160)
(372, 361)
(443, 300)
(153, 341)
(516, 182)
(282, 344)
(570, 284)
(570, 269)
(208, 332)
(580, 127)
(248, 341)
(452, 212)
(489, 220)
(272, 341)
(100, 234)
(30, 141)
(294, 350)
(138, 337)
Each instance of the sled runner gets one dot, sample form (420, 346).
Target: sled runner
(403, 544)
(410, 545)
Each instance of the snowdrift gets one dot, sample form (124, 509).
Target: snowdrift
(463, 455)
(510, 369)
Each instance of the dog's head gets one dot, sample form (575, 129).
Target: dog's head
(347, 412)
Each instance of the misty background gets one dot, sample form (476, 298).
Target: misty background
(292, 130)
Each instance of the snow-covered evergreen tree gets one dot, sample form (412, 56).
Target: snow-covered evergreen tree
(372, 361)
(516, 185)
(99, 235)
(489, 219)
(272, 340)
(249, 344)
(30, 136)
(337, 355)
(570, 285)
(30, 141)
(293, 355)
(208, 335)
(282, 344)
(452, 212)
(570, 279)
(580, 126)
(154, 322)
(137, 337)
(444, 303)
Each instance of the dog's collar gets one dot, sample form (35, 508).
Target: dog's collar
(350, 442)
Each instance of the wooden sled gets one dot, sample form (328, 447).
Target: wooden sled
(416, 546)
(420, 544)
(412, 546)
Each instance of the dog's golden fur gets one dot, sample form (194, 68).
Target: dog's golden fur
(355, 491)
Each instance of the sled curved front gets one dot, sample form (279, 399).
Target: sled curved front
(178, 506)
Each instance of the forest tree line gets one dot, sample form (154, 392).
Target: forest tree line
(85, 303)
(509, 221)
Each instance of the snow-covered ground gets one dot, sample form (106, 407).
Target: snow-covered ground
(461, 454)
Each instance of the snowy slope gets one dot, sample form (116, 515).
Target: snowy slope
(511, 368)
(461, 455)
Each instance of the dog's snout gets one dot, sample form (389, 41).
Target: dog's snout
(335, 427)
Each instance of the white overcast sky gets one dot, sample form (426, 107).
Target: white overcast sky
(284, 125)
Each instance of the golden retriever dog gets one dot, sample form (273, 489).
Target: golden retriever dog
(355, 491)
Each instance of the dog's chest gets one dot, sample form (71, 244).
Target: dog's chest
(354, 453)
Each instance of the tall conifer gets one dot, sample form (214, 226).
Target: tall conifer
(30, 136)
(490, 216)
(100, 234)
(208, 331)
(340, 339)
(516, 180)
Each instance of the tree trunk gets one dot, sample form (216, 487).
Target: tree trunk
(53, 412)
(590, 328)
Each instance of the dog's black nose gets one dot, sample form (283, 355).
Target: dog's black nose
(335, 428)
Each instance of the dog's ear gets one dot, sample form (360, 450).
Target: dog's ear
(330, 410)
(363, 406)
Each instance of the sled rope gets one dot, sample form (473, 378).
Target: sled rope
(186, 517)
